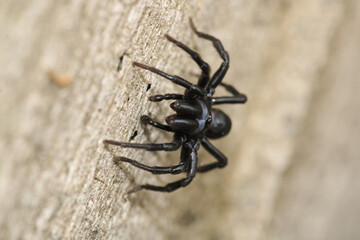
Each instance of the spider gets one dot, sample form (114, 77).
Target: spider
(195, 120)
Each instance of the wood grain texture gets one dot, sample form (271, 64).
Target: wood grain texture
(68, 84)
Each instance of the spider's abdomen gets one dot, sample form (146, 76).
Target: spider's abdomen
(192, 116)
(220, 126)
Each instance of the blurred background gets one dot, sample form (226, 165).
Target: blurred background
(66, 83)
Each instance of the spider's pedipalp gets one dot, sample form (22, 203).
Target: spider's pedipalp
(147, 120)
(169, 96)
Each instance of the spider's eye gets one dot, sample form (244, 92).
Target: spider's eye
(208, 121)
(220, 125)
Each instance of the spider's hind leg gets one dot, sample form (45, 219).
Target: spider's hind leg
(167, 188)
(220, 157)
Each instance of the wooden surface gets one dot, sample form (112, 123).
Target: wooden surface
(67, 83)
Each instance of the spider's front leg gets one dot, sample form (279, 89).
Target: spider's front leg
(175, 79)
(204, 66)
(191, 88)
(220, 73)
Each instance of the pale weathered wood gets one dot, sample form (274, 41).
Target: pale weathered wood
(63, 91)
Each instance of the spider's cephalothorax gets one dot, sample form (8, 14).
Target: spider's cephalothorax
(194, 122)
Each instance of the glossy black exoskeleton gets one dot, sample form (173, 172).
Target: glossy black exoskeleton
(195, 120)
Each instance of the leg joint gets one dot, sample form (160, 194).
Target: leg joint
(223, 163)
(187, 181)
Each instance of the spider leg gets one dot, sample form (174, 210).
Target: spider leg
(167, 188)
(231, 89)
(175, 79)
(221, 159)
(222, 100)
(236, 98)
(154, 169)
(192, 156)
(220, 73)
(169, 96)
(147, 120)
(181, 167)
(205, 68)
(172, 146)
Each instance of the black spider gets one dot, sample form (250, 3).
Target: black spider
(194, 122)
